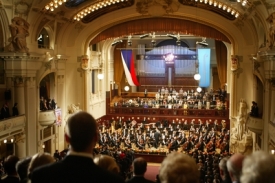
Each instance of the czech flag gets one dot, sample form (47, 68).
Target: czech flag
(129, 67)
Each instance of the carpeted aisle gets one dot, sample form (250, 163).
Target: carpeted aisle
(152, 171)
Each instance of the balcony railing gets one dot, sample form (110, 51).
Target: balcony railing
(14, 125)
(224, 113)
(47, 118)
(255, 125)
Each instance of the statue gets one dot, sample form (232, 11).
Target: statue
(74, 108)
(241, 120)
(19, 29)
(241, 140)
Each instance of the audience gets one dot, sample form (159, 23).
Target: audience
(78, 166)
(107, 162)
(234, 166)
(38, 160)
(258, 167)
(178, 168)
(139, 169)
(224, 174)
(22, 169)
(9, 167)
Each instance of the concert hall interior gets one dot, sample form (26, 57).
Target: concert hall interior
(158, 76)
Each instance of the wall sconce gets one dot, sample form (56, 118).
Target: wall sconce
(11, 140)
(100, 76)
(5, 141)
(43, 146)
(272, 151)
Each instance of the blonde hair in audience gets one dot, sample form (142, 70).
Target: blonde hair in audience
(179, 168)
(107, 162)
(258, 167)
(38, 160)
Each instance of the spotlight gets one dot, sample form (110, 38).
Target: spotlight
(129, 40)
(171, 36)
(116, 42)
(143, 36)
(203, 42)
(153, 42)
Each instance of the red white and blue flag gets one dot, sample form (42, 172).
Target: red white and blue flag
(129, 67)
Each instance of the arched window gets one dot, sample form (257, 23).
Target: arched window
(43, 40)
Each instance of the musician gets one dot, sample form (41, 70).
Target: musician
(200, 145)
(224, 146)
(157, 136)
(210, 146)
(100, 138)
(141, 144)
(173, 144)
(127, 143)
(216, 126)
(188, 145)
(185, 125)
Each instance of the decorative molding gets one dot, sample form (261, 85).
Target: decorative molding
(156, 8)
(22, 8)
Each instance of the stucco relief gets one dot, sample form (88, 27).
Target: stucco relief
(271, 21)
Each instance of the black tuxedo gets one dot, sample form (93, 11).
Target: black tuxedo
(73, 169)
(138, 179)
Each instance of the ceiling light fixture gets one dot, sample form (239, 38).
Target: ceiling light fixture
(96, 6)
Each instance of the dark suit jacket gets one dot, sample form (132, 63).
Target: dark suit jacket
(74, 169)
(138, 179)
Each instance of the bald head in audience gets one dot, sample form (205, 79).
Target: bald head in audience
(234, 165)
(179, 168)
(258, 167)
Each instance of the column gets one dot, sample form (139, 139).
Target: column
(32, 103)
(20, 146)
(59, 136)
(19, 94)
(266, 115)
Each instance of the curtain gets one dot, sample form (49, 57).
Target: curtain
(221, 56)
(118, 69)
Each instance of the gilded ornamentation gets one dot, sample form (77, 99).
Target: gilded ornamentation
(157, 7)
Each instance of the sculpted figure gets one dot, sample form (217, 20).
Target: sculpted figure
(241, 120)
(19, 29)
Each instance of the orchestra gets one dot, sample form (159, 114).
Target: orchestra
(171, 136)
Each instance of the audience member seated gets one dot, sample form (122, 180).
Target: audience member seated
(139, 169)
(10, 169)
(224, 174)
(107, 162)
(234, 166)
(178, 168)
(22, 169)
(258, 167)
(39, 160)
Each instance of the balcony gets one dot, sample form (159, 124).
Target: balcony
(255, 125)
(12, 126)
(47, 118)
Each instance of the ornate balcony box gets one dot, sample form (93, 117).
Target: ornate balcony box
(47, 118)
(255, 125)
(268, 58)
